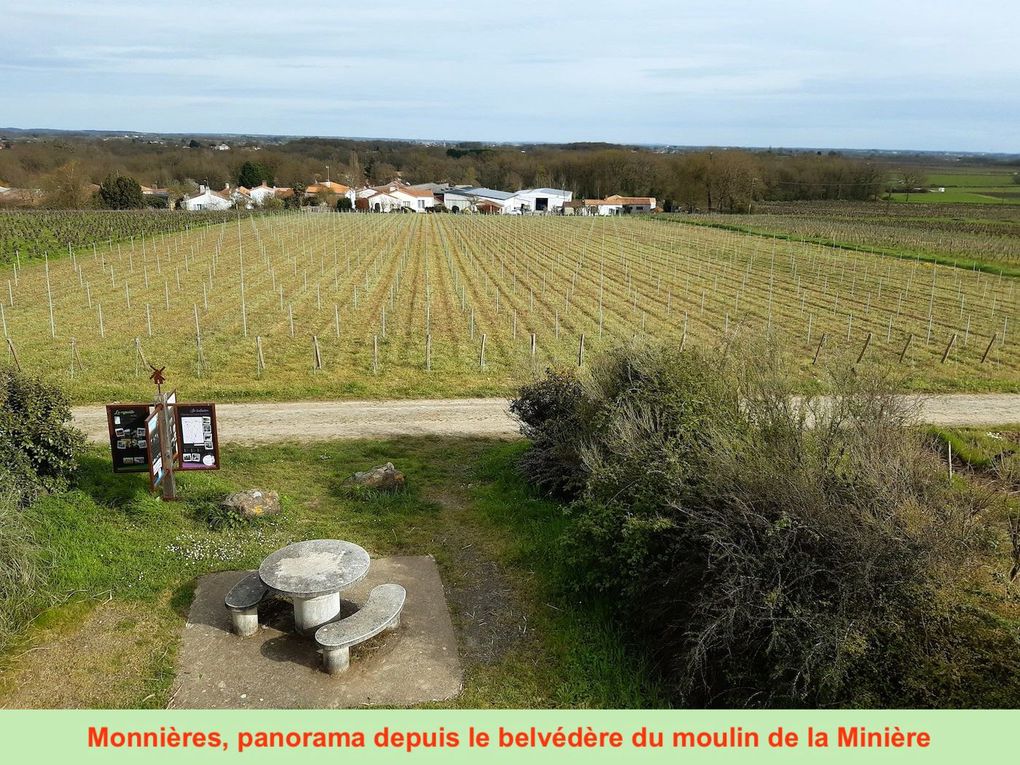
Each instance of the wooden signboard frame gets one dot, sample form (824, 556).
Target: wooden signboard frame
(132, 418)
(197, 454)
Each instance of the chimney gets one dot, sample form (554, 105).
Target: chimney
(201, 188)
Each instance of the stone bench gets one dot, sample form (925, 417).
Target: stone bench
(381, 612)
(243, 603)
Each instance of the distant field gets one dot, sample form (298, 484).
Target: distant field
(969, 236)
(427, 289)
(969, 186)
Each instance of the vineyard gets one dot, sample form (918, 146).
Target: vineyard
(979, 237)
(28, 235)
(328, 305)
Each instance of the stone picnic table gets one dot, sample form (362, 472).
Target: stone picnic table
(312, 574)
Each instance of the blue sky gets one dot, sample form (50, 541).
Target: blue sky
(926, 74)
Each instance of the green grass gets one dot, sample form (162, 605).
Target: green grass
(970, 264)
(970, 195)
(110, 539)
(969, 179)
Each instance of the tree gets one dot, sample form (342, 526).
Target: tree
(253, 174)
(119, 192)
(344, 204)
(67, 187)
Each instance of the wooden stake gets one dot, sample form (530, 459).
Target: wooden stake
(818, 350)
(13, 353)
(481, 354)
(375, 354)
(867, 342)
(316, 356)
(428, 351)
(906, 345)
(949, 347)
(580, 351)
(260, 361)
(989, 348)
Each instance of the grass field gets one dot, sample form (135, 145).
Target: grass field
(121, 569)
(968, 186)
(401, 305)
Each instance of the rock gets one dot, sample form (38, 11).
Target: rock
(253, 503)
(384, 478)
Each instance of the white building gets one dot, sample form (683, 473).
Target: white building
(537, 200)
(633, 204)
(260, 194)
(417, 199)
(472, 198)
(592, 207)
(207, 199)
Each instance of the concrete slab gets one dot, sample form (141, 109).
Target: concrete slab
(277, 669)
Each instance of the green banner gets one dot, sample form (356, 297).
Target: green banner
(508, 736)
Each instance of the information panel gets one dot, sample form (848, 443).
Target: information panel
(171, 427)
(155, 434)
(128, 437)
(199, 444)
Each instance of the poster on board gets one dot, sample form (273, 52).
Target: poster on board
(199, 444)
(154, 433)
(128, 442)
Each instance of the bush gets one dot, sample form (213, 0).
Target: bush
(549, 411)
(38, 449)
(766, 551)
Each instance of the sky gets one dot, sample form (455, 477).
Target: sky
(888, 74)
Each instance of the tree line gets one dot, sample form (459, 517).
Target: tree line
(723, 180)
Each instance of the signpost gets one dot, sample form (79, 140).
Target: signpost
(163, 436)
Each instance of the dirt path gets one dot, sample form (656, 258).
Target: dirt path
(261, 423)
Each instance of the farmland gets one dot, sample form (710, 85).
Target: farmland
(27, 235)
(371, 306)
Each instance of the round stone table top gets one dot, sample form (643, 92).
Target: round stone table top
(314, 568)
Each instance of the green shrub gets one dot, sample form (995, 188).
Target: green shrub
(38, 449)
(549, 411)
(766, 551)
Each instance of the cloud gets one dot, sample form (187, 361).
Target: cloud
(793, 72)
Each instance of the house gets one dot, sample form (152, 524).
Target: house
(260, 194)
(592, 207)
(460, 199)
(207, 199)
(633, 204)
(221, 147)
(154, 192)
(380, 200)
(417, 199)
(543, 200)
(327, 187)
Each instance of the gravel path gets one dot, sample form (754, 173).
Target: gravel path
(268, 422)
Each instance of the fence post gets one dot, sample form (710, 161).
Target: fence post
(428, 352)
(316, 356)
(818, 350)
(949, 347)
(906, 345)
(867, 342)
(989, 348)
(481, 354)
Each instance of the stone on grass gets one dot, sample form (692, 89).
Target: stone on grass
(384, 478)
(253, 503)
